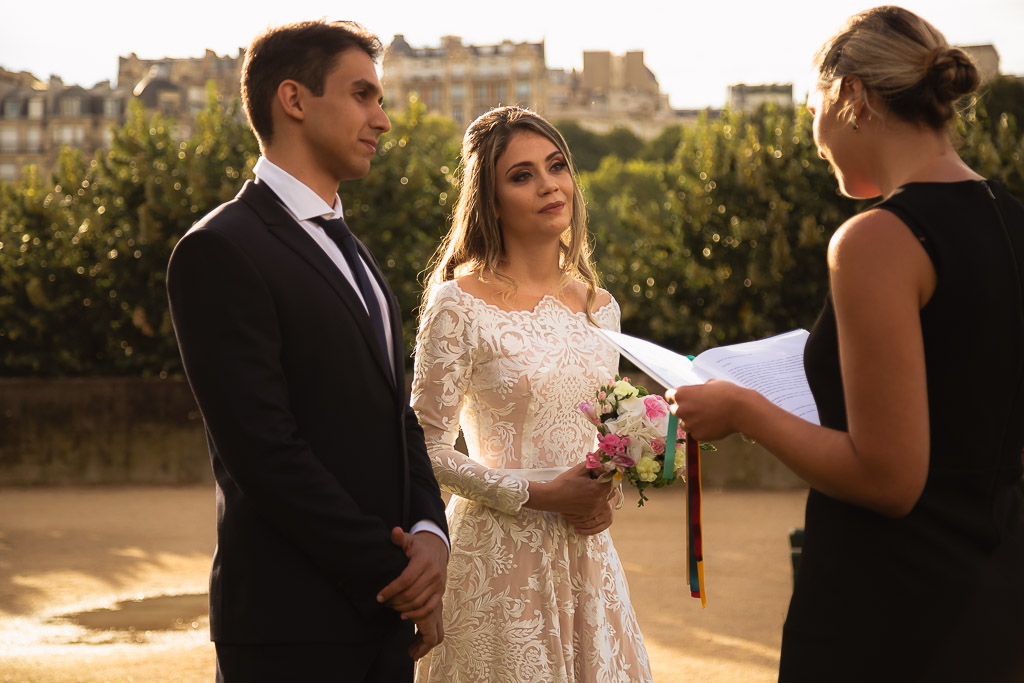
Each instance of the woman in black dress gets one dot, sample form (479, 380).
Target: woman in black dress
(913, 559)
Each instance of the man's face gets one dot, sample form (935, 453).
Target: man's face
(343, 125)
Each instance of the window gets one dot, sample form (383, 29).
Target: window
(8, 172)
(64, 135)
(522, 90)
(35, 139)
(35, 108)
(435, 94)
(111, 108)
(457, 115)
(501, 93)
(458, 92)
(9, 140)
(71, 106)
(481, 92)
(12, 109)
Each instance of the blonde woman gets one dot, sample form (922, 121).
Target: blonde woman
(506, 352)
(913, 558)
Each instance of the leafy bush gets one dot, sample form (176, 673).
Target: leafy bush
(713, 233)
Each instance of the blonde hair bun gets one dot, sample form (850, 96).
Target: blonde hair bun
(901, 59)
(951, 73)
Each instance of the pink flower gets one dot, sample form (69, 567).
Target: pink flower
(680, 434)
(658, 446)
(656, 407)
(613, 444)
(623, 459)
(593, 460)
(602, 395)
(590, 411)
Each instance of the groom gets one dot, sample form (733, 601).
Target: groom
(330, 524)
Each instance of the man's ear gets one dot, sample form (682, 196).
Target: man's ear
(290, 97)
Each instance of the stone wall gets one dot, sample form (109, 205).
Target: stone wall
(140, 431)
(100, 431)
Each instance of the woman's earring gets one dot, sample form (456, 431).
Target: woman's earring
(855, 126)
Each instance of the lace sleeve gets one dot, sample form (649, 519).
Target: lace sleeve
(445, 352)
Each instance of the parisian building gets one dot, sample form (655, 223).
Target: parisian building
(456, 80)
(747, 98)
(38, 117)
(463, 81)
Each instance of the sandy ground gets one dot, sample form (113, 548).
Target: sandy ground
(129, 565)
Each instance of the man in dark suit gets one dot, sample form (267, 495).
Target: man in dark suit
(332, 540)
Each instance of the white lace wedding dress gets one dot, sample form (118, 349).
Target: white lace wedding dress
(528, 599)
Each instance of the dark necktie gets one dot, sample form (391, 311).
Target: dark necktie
(338, 231)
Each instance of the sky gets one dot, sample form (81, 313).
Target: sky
(695, 49)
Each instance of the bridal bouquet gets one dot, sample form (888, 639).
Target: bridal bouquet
(632, 427)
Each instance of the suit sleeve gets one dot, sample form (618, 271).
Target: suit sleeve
(227, 329)
(425, 494)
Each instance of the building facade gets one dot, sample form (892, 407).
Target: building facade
(747, 98)
(37, 118)
(463, 81)
(985, 58)
(177, 87)
(615, 91)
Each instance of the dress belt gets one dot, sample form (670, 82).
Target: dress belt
(536, 473)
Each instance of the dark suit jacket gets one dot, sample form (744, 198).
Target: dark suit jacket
(316, 452)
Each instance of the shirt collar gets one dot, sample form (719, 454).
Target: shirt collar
(301, 201)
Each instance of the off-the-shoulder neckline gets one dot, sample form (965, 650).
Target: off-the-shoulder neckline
(532, 311)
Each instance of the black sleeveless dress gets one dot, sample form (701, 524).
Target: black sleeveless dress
(939, 594)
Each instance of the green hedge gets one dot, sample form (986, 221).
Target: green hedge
(713, 233)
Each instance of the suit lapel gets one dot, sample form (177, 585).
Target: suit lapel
(281, 224)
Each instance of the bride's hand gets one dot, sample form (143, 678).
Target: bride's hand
(573, 492)
(588, 526)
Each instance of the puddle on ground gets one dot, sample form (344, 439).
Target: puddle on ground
(134, 621)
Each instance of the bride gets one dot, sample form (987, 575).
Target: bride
(506, 351)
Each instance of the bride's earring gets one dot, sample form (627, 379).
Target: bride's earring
(855, 126)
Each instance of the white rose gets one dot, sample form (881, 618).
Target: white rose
(623, 389)
(630, 418)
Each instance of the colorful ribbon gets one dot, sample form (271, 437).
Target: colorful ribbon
(694, 534)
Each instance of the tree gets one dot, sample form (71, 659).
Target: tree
(86, 294)
(1004, 95)
(715, 234)
(402, 208)
(587, 147)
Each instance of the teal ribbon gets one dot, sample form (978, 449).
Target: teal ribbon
(670, 448)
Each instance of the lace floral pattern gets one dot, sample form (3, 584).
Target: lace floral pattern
(528, 599)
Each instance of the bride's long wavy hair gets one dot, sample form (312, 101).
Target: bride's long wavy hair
(474, 244)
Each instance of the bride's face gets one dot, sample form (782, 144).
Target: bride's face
(534, 188)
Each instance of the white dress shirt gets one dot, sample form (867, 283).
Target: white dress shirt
(304, 204)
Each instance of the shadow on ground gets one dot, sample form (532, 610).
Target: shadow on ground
(56, 541)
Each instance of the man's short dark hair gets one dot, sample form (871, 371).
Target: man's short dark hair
(304, 52)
